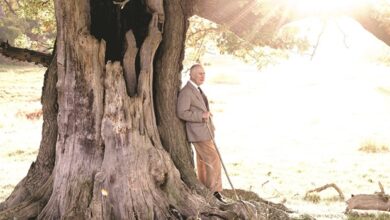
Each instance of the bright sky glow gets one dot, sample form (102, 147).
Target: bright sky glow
(323, 6)
(340, 40)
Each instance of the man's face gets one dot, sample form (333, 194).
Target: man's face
(197, 75)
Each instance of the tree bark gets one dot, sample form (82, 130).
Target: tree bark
(79, 148)
(166, 87)
(129, 63)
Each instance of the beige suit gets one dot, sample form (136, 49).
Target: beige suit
(190, 107)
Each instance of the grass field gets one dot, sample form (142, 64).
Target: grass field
(20, 122)
(297, 126)
(303, 124)
(282, 131)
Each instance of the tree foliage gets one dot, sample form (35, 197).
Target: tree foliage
(28, 23)
(205, 36)
(31, 24)
(381, 11)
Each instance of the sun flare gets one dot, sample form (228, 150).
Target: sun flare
(324, 6)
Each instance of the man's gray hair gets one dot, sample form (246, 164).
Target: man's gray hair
(194, 66)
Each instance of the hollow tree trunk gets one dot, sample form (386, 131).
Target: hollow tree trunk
(110, 163)
(111, 151)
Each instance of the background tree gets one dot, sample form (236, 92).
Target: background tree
(112, 145)
(28, 24)
(204, 35)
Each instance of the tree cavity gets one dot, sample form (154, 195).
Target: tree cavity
(124, 29)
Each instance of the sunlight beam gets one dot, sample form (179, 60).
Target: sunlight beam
(323, 6)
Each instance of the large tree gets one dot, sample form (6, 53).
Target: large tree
(112, 146)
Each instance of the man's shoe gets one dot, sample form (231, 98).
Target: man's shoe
(219, 197)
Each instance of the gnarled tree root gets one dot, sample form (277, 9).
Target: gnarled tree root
(251, 206)
(31, 206)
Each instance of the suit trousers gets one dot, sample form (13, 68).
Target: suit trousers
(208, 165)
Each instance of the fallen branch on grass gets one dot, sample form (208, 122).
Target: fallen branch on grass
(331, 185)
(377, 201)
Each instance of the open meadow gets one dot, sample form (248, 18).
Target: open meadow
(290, 129)
(20, 121)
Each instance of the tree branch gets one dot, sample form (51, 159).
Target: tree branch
(243, 20)
(25, 54)
(318, 40)
(204, 32)
(369, 18)
(255, 23)
(331, 185)
(10, 7)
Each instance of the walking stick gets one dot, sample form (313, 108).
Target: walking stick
(253, 215)
(223, 165)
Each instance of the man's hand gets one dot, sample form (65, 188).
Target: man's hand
(206, 116)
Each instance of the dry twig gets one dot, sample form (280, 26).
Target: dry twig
(331, 185)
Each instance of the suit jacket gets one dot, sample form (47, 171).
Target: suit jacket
(190, 107)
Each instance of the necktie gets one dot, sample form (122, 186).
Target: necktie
(206, 102)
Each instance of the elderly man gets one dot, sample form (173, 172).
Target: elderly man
(193, 108)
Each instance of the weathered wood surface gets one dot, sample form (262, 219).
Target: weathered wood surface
(80, 62)
(129, 63)
(368, 202)
(156, 7)
(378, 201)
(167, 83)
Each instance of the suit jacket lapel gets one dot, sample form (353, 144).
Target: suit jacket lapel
(198, 96)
